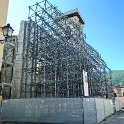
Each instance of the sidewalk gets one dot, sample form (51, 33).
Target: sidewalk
(118, 118)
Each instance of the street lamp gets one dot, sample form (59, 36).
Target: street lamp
(7, 31)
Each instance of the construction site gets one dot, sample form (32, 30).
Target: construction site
(53, 58)
(50, 59)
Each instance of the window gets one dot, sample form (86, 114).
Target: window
(115, 95)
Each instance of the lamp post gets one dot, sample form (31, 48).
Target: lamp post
(7, 33)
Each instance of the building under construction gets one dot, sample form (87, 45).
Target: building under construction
(54, 60)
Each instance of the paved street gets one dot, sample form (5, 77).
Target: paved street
(115, 119)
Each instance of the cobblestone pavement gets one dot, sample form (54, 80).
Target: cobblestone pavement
(118, 118)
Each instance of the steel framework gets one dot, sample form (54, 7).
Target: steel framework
(55, 54)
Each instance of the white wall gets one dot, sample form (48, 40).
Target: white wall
(104, 108)
(118, 106)
(89, 111)
(58, 110)
(100, 109)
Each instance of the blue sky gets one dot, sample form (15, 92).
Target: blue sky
(104, 24)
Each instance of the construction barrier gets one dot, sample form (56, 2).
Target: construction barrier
(57, 110)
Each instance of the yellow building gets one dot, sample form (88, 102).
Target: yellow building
(3, 17)
(119, 94)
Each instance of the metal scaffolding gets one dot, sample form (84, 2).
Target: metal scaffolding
(55, 55)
